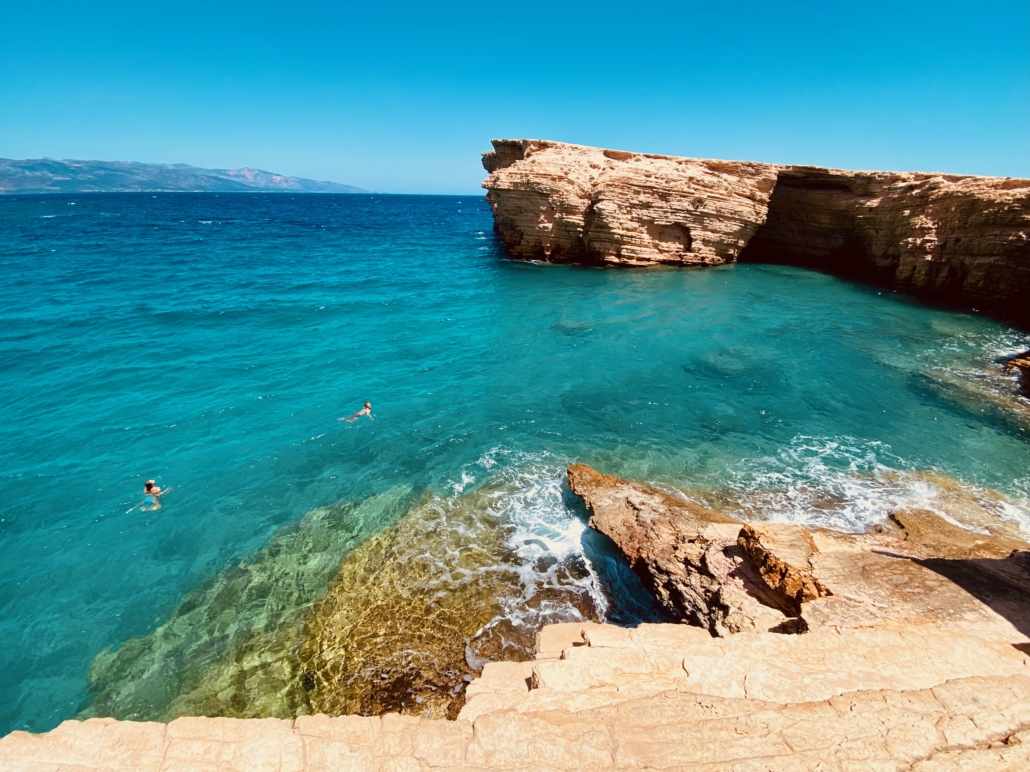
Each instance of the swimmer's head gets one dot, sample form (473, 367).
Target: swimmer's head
(368, 404)
(150, 484)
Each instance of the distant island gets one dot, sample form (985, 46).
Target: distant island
(46, 175)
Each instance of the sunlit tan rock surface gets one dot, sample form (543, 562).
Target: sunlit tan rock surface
(959, 238)
(567, 202)
(685, 554)
(657, 697)
(730, 577)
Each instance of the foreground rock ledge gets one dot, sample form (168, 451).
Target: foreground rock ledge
(913, 657)
(957, 238)
(655, 697)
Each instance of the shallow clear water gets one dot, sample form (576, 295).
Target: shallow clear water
(212, 342)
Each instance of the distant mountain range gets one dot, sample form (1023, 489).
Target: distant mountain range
(46, 175)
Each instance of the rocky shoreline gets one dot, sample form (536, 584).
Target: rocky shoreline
(904, 648)
(726, 576)
(958, 239)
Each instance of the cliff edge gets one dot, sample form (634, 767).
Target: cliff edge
(955, 238)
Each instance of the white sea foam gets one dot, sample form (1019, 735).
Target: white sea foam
(556, 581)
(849, 484)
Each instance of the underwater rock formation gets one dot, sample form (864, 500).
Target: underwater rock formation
(729, 577)
(230, 648)
(416, 610)
(390, 603)
(955, 238)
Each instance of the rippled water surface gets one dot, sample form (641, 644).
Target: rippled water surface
(212, 342)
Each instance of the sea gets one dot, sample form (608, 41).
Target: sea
(213, 342)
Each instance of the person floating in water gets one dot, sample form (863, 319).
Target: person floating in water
(151, 497)
(366, 410)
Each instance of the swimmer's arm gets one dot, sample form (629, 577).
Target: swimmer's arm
(162, 492)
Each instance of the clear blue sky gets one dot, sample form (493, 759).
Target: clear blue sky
(402, 97)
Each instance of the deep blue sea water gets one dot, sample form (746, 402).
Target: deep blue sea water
(212, 342)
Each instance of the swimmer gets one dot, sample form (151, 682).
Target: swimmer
(151, 494)
(366, 410)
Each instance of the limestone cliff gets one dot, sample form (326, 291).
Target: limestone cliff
(960, 239)
(571, 203)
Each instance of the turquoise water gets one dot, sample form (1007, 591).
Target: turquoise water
(212, 342)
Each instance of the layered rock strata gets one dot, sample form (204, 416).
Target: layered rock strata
(957, 238)
(1021, 364)
(728, 577)
(657, 697)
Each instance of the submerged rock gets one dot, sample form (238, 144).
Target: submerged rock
(728, 577)
(230, 648)
(393, 603)
(416, 610)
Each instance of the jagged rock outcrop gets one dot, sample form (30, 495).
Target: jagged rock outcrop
(783, 558)
(957, 238)
(686, 555)
(730, 577)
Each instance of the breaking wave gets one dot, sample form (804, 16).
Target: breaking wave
(849, 484)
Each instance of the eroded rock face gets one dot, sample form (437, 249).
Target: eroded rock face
(729, 577)
(687, 555)
(783, 558)
(571, 203)
(957, 238)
